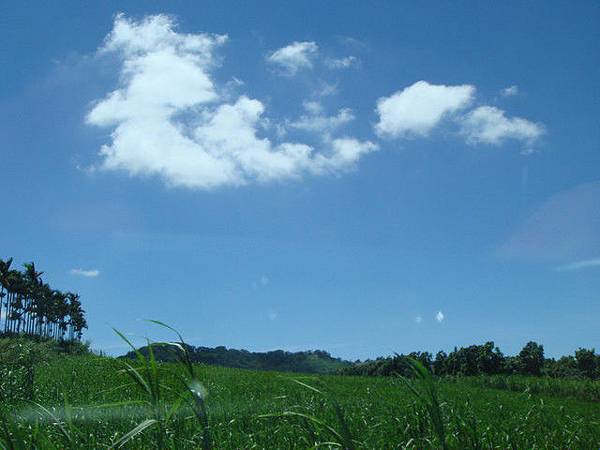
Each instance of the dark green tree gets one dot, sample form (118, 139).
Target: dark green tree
(531, 358)
(587, 362)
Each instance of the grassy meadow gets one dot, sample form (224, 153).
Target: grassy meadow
(88, 401)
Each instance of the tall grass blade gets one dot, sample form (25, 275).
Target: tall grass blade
(133, 433)
(429, 398)
(193, 385)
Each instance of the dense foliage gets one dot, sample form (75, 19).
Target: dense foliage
(314, 361)
(94, 402)
(20, 356)
(30, 306)
(580, 388)
(486, 359)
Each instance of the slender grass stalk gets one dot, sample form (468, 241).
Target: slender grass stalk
(147, 378)
(192, 384)
(343, 436)
(133, 433)
(429, 397)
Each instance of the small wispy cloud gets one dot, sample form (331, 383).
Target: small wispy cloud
(510, 91)
(293, 57)
(326, 89)
(341, 63)
(92, 273)
(490, 125)
(418, 319)
(316, 122)
(439, 316)
(579, 265)
(263, 281)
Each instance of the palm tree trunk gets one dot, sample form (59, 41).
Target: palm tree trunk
(8, 323)
(7, 311)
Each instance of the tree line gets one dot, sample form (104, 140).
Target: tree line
(312, 361)
(30, 306)
(486, 359)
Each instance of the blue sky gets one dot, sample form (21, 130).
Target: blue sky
(360, 177)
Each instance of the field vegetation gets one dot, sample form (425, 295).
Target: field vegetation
(65, 400)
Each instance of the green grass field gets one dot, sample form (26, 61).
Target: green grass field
(91, 402)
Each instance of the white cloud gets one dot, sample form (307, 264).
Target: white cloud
(293, 57)
(439, 316)
(345, 152)
(326, 90)
(417, 109)
(580, 265)
(418, 319)
(341, 63)
(92, 273)
(314, 121)
(510, 91)
(168, 118)
(313, 107)
(489, 125)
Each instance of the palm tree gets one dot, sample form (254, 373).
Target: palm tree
(43, 306)
(74, 310)
(57, 313)
(77, 320)
(80, 323)
(33, 282)
(63, 313)
(19, 288)
(4, 284)
(30, 306)
(13, 300)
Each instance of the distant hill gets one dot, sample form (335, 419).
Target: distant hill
(313, 361)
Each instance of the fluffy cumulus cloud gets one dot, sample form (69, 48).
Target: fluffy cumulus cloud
(91, 273)
(169, 118)
(293, 57)
(489, 125)
(417, 109)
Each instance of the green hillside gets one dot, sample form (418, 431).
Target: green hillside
(314, 361)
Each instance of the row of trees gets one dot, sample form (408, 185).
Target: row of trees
(489, 360)
(30, 306)
(312, 361)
